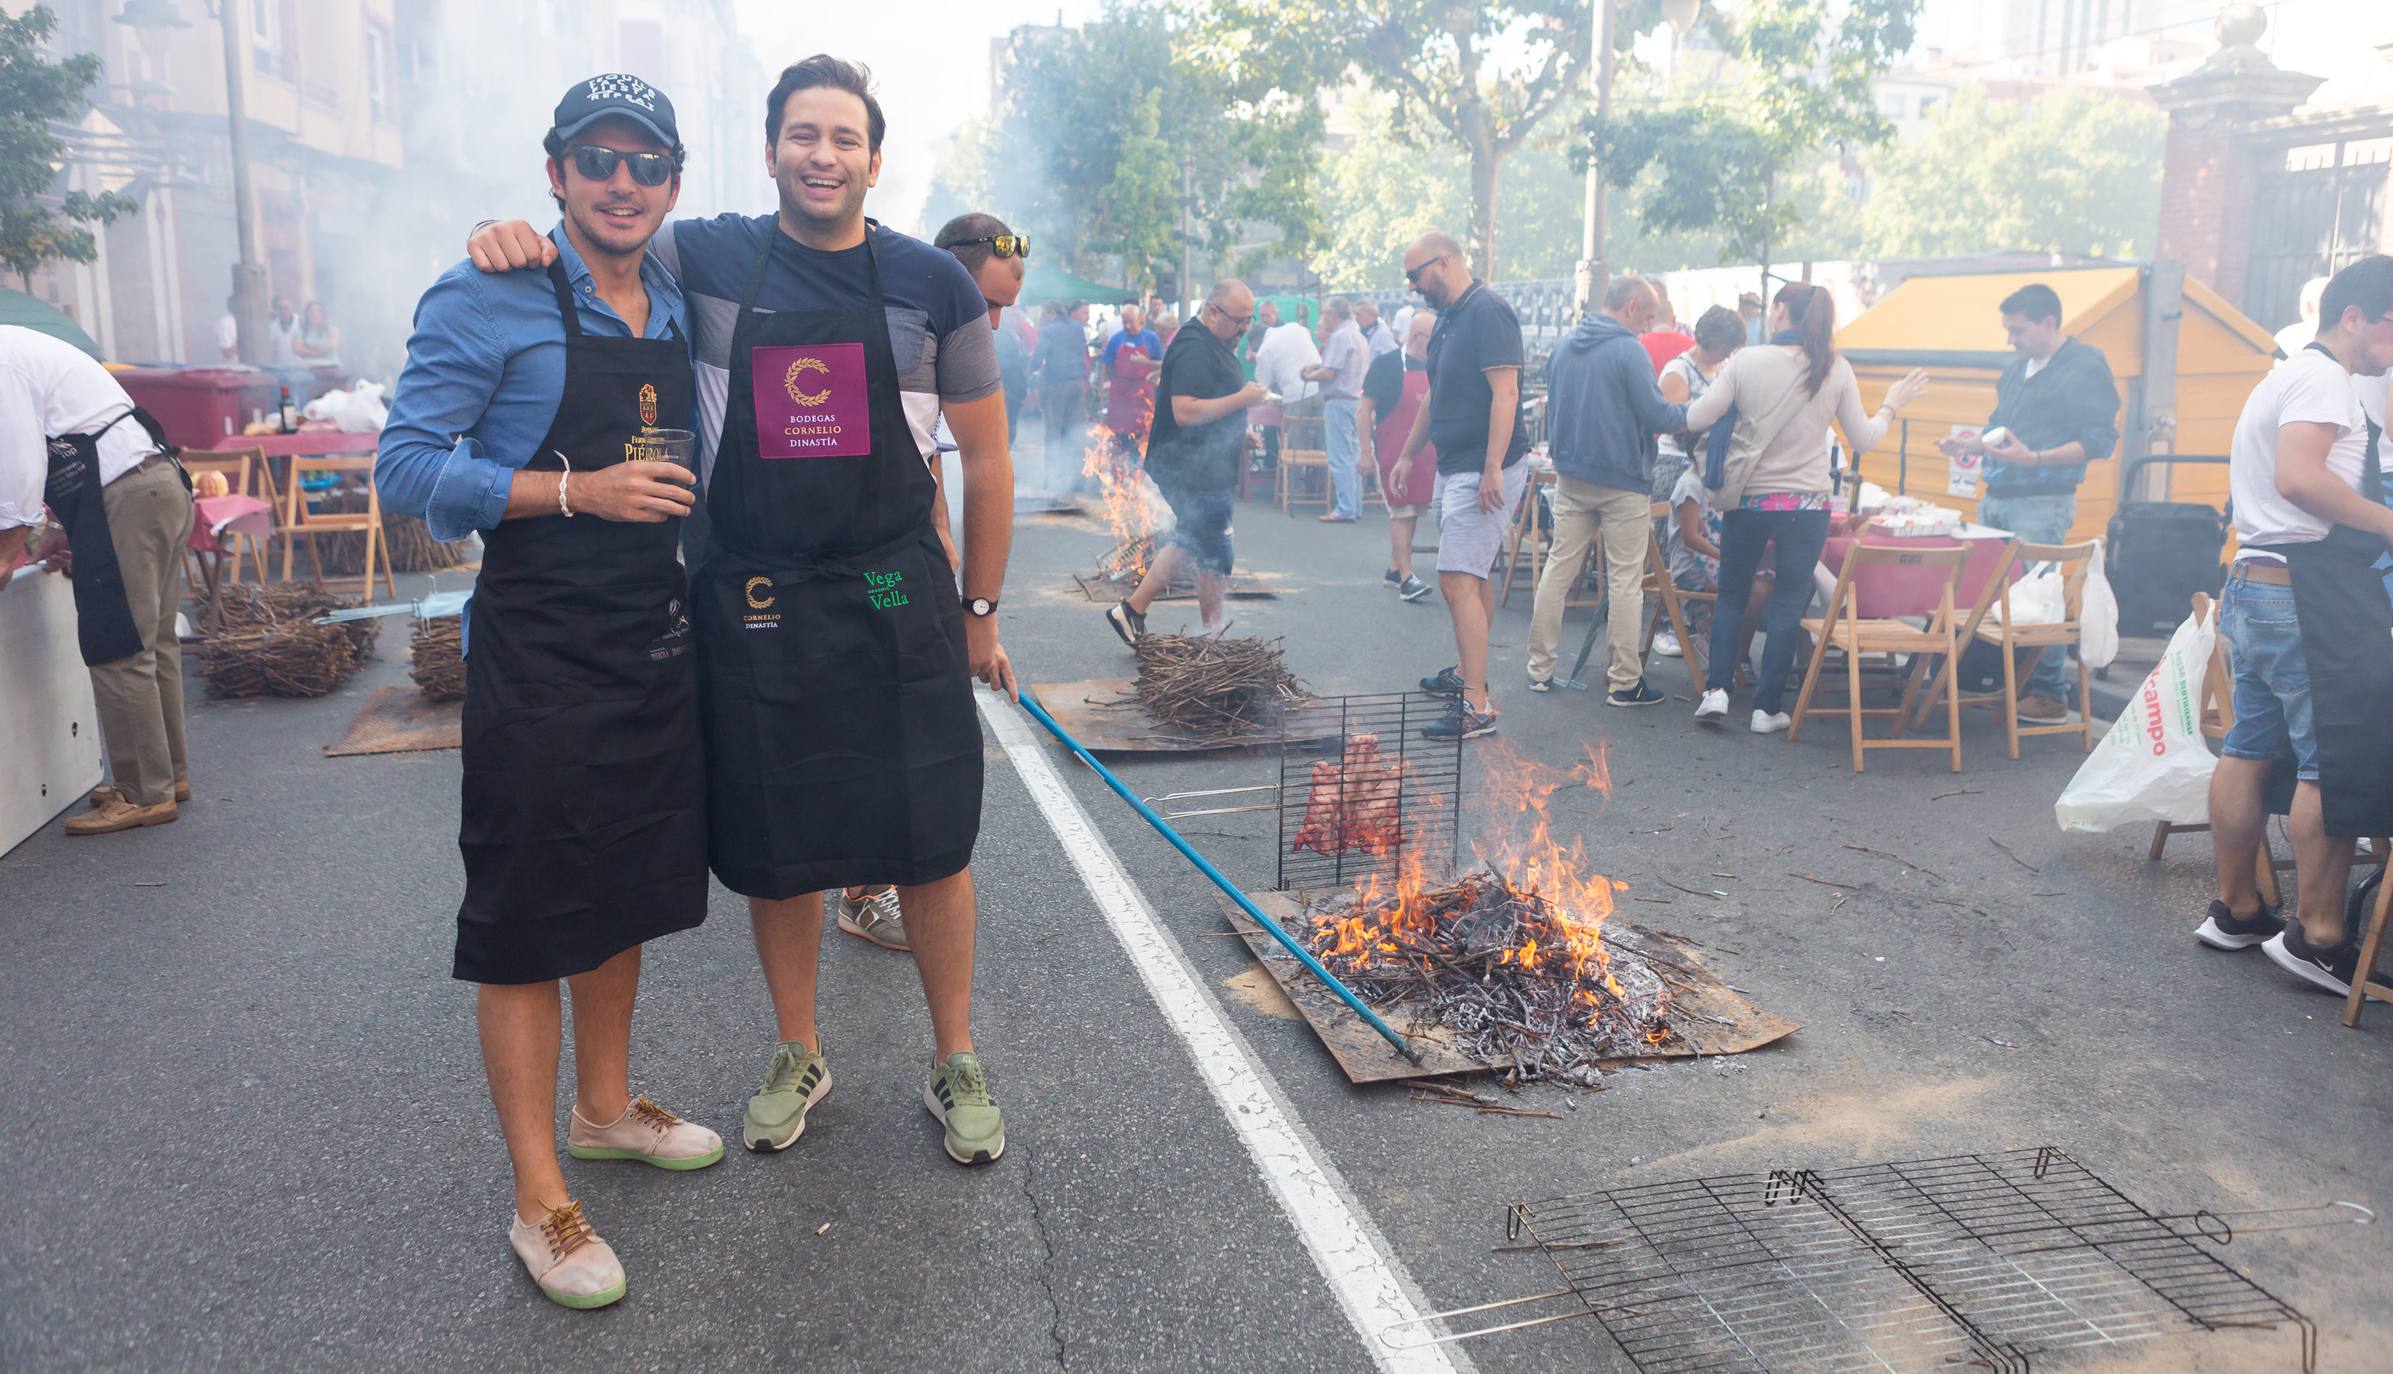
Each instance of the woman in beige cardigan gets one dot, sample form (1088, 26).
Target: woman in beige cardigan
(1776, 491)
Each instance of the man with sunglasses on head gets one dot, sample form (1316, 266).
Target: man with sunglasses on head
(835, 654)
(583, 823)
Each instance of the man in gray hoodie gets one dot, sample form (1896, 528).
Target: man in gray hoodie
(1604, 411)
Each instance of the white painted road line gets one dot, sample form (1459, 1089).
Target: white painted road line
(1369, 1284)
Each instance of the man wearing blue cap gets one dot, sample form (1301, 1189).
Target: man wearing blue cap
(530, 411)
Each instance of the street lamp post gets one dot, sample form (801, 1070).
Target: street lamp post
(153, 21)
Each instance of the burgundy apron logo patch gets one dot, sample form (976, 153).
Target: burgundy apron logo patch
(881, 589)
(760, 598)
(811, 401)
(648, 403)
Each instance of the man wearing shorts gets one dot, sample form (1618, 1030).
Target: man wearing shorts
(1473, 417)
(1193, 454)
(2310, 634)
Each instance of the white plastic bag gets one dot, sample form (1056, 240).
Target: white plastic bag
(2098, 617)
(2153, 765)
(358, 410)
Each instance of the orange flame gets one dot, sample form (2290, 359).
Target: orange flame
(1131, 514)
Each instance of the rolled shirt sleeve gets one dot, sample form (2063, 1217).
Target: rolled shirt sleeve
(428, 466)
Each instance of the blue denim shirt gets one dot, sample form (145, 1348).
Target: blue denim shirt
(485, 369)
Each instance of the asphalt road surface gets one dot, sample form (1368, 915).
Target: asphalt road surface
(247, 1124)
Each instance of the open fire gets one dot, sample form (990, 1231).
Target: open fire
(1134, 511)
(1512, 958)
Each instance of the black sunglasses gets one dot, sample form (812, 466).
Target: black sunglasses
(598, 164)
(1004, 245)
(1240, 321)
(1412, 275)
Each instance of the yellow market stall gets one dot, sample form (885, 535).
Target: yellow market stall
(2184, 358)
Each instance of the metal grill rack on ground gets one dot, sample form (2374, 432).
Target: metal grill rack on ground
(1977, 1261)
(1361, 792)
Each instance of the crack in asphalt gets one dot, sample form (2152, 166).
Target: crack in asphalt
(1038, 1221)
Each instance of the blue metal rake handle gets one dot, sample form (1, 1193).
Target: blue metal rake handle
(1205, 866)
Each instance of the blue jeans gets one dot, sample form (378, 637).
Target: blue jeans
(2038, 520)
(2272, 677)
(1345, 486)
(1800, 535)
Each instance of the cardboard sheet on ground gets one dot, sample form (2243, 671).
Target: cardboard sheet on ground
(1733, 1025)
(1105, 591)
(1104, 714)
(398, 719)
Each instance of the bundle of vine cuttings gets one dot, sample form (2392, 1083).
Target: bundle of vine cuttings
(438, 665)
(268, 644)
(1212, 685)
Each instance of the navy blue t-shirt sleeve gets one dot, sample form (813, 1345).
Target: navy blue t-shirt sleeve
(1496, 337)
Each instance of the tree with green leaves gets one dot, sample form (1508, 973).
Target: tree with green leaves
(37, 223)
(1804, 71)
(2074, 171)
(1475, 78)
(1103, 128)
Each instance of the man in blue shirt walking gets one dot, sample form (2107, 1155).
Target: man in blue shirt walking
(528, 411)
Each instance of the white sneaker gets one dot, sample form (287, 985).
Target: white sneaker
(567, 1259)
(645, 1132)
(1766, 724)
(1714, 706)
(1666, 644)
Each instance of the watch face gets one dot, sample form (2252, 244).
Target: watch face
(981, 605)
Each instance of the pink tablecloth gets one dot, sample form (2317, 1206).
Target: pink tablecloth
(318, 443)
(1887, 591)
(213, 517)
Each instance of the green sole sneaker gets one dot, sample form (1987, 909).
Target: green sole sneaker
(692, 1162)
(958, 1095)
(583, 1302)
(776, 1115)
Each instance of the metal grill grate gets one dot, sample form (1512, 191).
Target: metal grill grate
(1970, 1261)
(1366, 809)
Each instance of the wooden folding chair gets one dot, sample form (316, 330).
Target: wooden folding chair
(1990, 622)
(1523, 540)
(1294, 494)
(1845, 631)
(241, 468)
(2372, 941)
(1660, 587)
(300, 522)
(2215, 712)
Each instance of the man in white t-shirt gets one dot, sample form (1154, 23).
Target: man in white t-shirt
(2310, 633)
(2293, 338)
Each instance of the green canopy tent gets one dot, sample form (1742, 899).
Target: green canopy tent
(1048, 281)
(20, 309)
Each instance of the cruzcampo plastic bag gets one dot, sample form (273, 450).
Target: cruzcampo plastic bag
(2153, 765)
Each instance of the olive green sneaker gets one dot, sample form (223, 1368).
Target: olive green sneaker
(958, 1095)
(776, 1115)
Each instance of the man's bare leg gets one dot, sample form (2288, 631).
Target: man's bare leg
(520, 1025)
(1471, 601)
(2321, 868)
(1159, 576)
(2237, 821)
(1400, 544)
(789, 943)
(602, 1007)
(1212, 590)
(940, 919)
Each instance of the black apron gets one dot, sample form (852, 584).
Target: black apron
(2346, 623)
(582, 822)
(104, 626)
(842, 745)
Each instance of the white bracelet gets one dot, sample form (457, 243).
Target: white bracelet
(564, 501)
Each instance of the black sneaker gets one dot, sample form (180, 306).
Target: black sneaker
(2223, 929)
(1391, 578)
(1447, 683)
(1461, 722)
(1412, 588)
(2329, 968)
(1127, 623)
(1639, 695)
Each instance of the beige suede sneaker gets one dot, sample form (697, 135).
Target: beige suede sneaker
(567, 1259)
(645, 1132)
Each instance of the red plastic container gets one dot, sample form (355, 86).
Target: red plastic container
(203, 407)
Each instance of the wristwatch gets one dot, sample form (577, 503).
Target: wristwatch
(980, 605)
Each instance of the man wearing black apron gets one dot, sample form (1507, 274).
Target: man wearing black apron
(2310, 633)
(71, 439)
(835, 658)
(583, 817)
